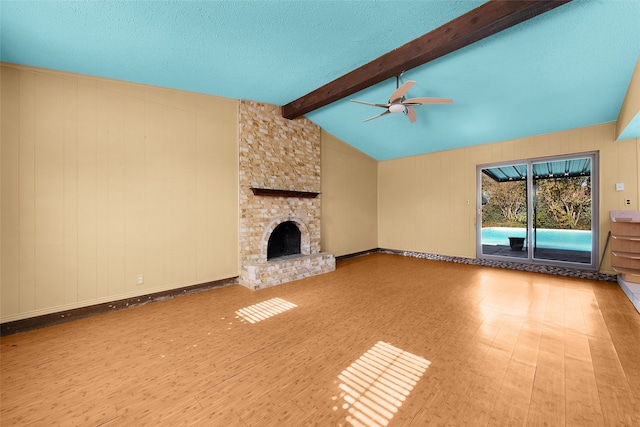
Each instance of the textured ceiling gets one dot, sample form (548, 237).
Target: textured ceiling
(567, 68)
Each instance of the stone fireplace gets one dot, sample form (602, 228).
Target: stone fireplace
(279, 198)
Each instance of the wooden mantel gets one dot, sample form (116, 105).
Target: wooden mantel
(271, 192)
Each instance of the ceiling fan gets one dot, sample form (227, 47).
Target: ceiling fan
(399, 104)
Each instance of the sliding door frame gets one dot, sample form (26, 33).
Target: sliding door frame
(595, 209)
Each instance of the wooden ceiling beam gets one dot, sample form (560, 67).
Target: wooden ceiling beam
(481, 22)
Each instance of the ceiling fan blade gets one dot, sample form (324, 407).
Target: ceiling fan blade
(399, 93)
(422, 101)
(371, 104)
(375, 117)
(411, 113)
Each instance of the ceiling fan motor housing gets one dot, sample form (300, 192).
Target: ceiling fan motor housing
(397, 108)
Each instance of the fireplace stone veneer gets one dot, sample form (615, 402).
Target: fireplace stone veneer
(279, 170)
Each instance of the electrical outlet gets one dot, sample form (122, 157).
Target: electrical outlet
(140, 280)
(628, 201)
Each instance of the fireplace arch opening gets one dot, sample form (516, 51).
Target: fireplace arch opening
(284, 240)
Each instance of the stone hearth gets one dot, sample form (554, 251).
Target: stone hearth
(286, 269)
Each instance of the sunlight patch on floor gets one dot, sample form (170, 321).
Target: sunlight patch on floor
(263, 310)
(376, 385)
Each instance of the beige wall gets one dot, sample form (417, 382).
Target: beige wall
(427, 202)
(349, 198)
(104, 180)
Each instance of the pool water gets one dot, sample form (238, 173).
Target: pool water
(572, 240)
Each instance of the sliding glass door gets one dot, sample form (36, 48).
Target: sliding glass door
(504, 210)
(539, 211)
(562, 210)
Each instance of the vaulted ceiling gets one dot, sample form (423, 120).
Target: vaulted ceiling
(567, 68)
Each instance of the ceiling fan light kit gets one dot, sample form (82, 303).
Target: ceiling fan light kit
(399, 104)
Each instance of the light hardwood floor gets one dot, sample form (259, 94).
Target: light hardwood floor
(383, 340)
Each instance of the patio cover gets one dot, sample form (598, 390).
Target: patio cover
(541, 170)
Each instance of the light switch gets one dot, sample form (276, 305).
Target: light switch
(619, 186)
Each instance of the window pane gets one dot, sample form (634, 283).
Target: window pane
(504, 211)
(562, 210)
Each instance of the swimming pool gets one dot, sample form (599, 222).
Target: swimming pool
(573, 240)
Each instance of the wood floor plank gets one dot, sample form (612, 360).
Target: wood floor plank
(582, 398)
(548, 397)
(512, 399)
(500, 347)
